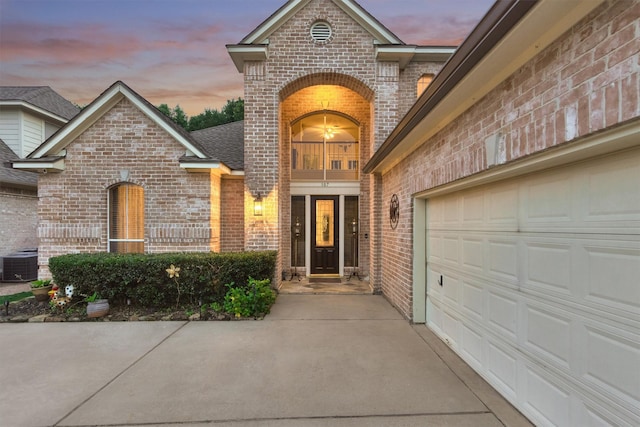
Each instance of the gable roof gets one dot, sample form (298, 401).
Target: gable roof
(50, 154)
(13, 177)
(41, 97)
(225, 142)
(380, 33)
(389, 47)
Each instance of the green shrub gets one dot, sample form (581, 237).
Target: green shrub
(143, 278)
(254, 300)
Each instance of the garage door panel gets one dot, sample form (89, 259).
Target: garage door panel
(503, 314)
(548, 334)
(502, 367)
(546, 397)
(473, 250)
(502, 209)
(611, 363)
(451, 289)
(613, 276)
(473, 300)
(473, 209)
(621, 173)
(503, 256)
(450, 248)
(548, 265)
(547, 199)
(472, 344)
(452, 327)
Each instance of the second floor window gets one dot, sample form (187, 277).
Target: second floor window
(325, 147)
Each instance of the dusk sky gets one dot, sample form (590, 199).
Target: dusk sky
(172, 51)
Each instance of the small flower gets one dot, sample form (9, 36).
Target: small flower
(173, 271)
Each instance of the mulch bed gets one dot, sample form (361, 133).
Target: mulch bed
(30, 310)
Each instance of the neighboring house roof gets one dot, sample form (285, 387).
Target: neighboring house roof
(42, 97)
(225, 142)
(50, 154)
(509, 35)
(10, 176)
(389, 47)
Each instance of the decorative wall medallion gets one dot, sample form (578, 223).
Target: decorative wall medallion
(394, 211)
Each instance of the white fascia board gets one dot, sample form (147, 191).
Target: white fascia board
(41, 167)
(547, 21)
(199, 167)
(34, 109)
(242, 53)
(405, 54)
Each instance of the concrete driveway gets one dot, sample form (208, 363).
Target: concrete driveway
(316, 360)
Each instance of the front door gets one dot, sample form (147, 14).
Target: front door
(325, 243)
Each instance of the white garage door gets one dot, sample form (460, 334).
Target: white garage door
(535, 282)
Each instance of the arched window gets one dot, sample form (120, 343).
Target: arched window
(324, 146)
(424, 82)
(126, 218)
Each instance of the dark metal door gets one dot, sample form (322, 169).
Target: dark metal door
(325, 242)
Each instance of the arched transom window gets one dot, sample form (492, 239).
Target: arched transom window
(325, 146)
(126, 218)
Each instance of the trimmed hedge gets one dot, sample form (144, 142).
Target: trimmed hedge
(143, 278)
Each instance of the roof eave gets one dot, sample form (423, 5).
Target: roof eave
(43, 165)
(404, 54)
(34, 109)
(485, 59)
(241, 53)
(204, 166)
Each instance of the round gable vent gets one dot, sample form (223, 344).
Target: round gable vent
(321, 32)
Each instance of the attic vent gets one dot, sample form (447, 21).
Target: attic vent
(321, 32)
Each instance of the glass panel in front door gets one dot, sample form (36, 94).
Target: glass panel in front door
(324, 223)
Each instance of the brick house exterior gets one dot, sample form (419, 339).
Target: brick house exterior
(121, 139)
(501, 208)
(518, 240)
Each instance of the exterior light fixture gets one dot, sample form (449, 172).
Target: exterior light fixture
(257, 205)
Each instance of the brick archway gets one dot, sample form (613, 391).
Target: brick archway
(327, 78)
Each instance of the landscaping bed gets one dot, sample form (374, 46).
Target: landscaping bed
(30, 310)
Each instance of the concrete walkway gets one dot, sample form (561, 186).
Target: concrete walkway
(317, 360)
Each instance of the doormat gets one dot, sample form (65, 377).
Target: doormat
(325, 280)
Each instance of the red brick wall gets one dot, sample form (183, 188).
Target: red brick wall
(18, 219)
(584, 82)
(73, 204)
(232, 215)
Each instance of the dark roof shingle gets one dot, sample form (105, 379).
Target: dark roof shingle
(8, 175)
(40, 96)
(224, 142)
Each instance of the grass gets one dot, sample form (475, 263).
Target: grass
(15, 297)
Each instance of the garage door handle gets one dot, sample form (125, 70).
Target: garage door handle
(441, 281)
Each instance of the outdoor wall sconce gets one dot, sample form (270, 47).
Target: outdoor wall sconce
(257, 205)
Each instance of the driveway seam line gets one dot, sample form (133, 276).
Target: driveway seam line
(293, 418)
(112, 380)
